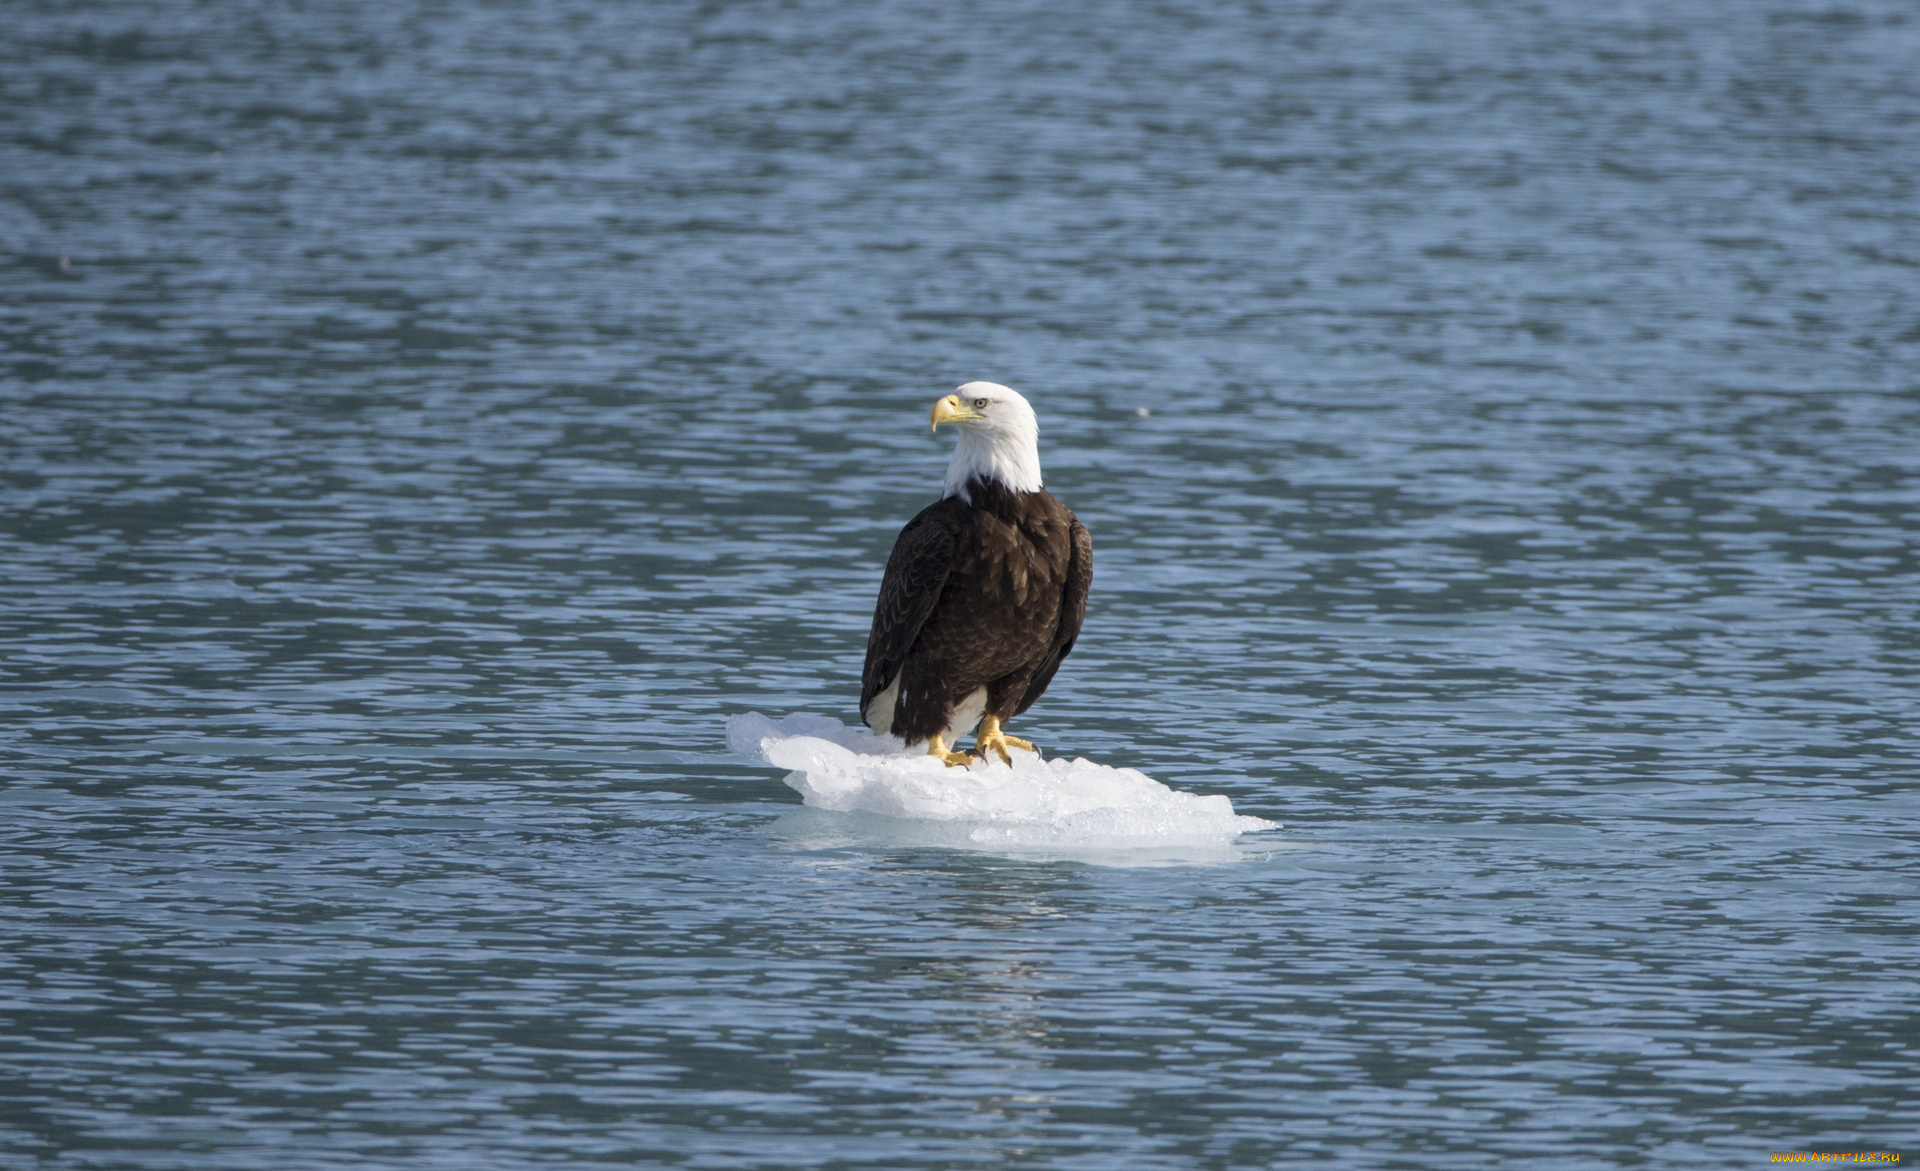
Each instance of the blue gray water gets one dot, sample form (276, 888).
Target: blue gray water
(424, 424)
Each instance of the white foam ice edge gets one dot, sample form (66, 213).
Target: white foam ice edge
(1031, 803)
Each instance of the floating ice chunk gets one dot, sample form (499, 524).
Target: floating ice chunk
(1034, 802)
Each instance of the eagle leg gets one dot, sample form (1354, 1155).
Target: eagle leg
(938, 747)
(992, 739)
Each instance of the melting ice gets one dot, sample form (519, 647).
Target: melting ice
(1035, 802)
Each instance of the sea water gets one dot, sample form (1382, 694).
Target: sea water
(426, 425)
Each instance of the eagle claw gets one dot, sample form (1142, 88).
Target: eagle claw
(992, 739)
(937, 748)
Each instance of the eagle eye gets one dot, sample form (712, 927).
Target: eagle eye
(979, 404)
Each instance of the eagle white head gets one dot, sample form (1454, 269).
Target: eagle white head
(999, 438)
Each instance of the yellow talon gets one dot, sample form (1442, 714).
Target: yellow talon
(938, 747)
(991, 739)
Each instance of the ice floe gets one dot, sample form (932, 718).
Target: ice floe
(1032, 803)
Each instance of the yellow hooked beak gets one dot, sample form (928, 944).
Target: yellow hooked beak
(951, 410)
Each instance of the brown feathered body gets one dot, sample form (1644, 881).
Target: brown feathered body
(983, 597)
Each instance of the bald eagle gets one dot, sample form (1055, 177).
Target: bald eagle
(984, 593)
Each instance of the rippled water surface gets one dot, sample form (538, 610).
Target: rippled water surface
(426, 424)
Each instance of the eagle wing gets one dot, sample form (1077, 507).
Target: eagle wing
(916, 576)
(1073, 611)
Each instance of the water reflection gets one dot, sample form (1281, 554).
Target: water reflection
(811, 829)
